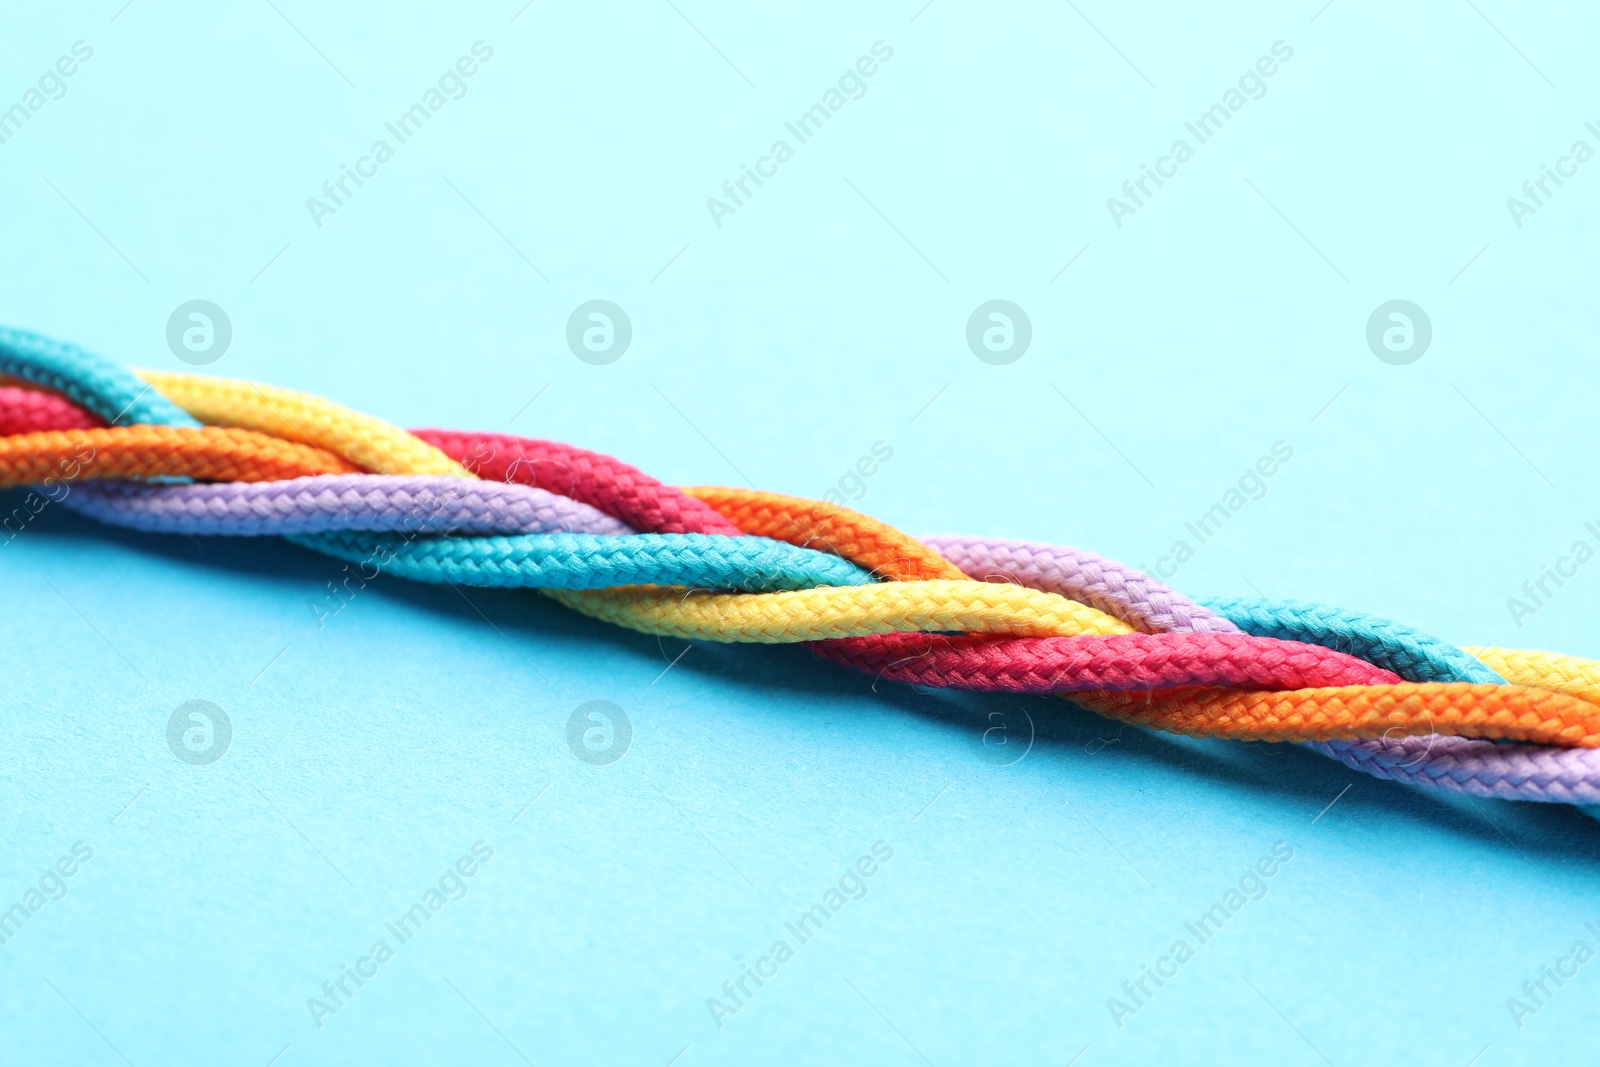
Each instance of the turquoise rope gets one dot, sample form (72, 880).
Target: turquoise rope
(591, 561)
(1412, 654)
(86, 379)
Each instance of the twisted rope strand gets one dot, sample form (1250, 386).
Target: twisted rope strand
(585, 561)
(340, 502)
(1413, 655)
(368, 443)
(614, 487)
(1124, 661)
(1135, 598)
(1507, 712)
(1548, 670)
(862, 540)
(27, 410)
(1477, 768)
(155, 451)
(818, 614)
(96, 384)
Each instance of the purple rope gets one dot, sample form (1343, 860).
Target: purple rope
(375, 502)
(1104, 584)
(1477, 768)
(1453, 764)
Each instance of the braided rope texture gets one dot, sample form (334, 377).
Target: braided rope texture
(819, 614)
(725, 564)
(1140, 601)
(369, 443)
(322, 503)
(1124, 661)
(883, 549)
(1505, 712)
(94, 383)
(587, 561)
(594, 479)
(148, 451)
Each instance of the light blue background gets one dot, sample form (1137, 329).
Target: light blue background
(823, 317)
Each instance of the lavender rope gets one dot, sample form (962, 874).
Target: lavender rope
(1103, 584)
(329, 502)
(1477, 768)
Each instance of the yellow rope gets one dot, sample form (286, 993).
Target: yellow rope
(367, 442)
(850, 611)
(1547, 670)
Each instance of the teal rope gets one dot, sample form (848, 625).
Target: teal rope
(86, 379)
(590, 561)
(1412, 654)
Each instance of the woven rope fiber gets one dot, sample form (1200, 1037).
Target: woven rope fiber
(235, 458)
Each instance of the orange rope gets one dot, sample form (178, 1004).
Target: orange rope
(1501, 712)
(859, 538)
(150, 451)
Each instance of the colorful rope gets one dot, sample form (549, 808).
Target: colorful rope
(238, 459)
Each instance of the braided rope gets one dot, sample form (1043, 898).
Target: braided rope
(1038, 618)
